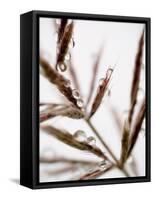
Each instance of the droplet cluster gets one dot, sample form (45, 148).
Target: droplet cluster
(76, 95)
(80, 136)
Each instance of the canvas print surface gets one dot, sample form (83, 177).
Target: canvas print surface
(91, 99)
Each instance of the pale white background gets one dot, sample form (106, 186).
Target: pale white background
(9, 99)
(120, 43)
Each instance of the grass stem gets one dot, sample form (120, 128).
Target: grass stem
(90, 124)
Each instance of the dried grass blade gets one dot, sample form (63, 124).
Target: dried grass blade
(136, 77)
(68, 139)
(125, 143)
(95, 173)
(66, 111)
(101, 92)
(60, 81)
(137, 128)
(64, 44)
(61, 29)
(95, 70)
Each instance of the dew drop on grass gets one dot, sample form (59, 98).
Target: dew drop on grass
(67, 83)
(109, 72)
(91, 141)
(80, 136)
(68, 56)
(75, 94)
(103, 164)
(61, 67)
(80, 103)
(71, 44)
(101, 81)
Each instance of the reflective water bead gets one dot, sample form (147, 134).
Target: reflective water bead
(68, 56)
(80, 136)
(103, 164)
(72, 43)
(67, 83)
(109, 72)
(101, 81)
(109, 92)
(80, 103)
(91, 141)
(62, 67)
(75, 93)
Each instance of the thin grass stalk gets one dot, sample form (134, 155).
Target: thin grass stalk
(136, 128)
(136, 77)
(106, 147)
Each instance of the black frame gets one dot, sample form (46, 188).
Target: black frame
(29, 99)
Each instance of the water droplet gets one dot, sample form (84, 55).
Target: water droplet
(75, 93)
(103, 164)
(68, 56)
(109, 92)
(109, 73)
(72, 43)
(58, 21)
(91, 141)
(62, 67)
(80, 103)
(101, 81)
(67, 83)
(80, 136)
